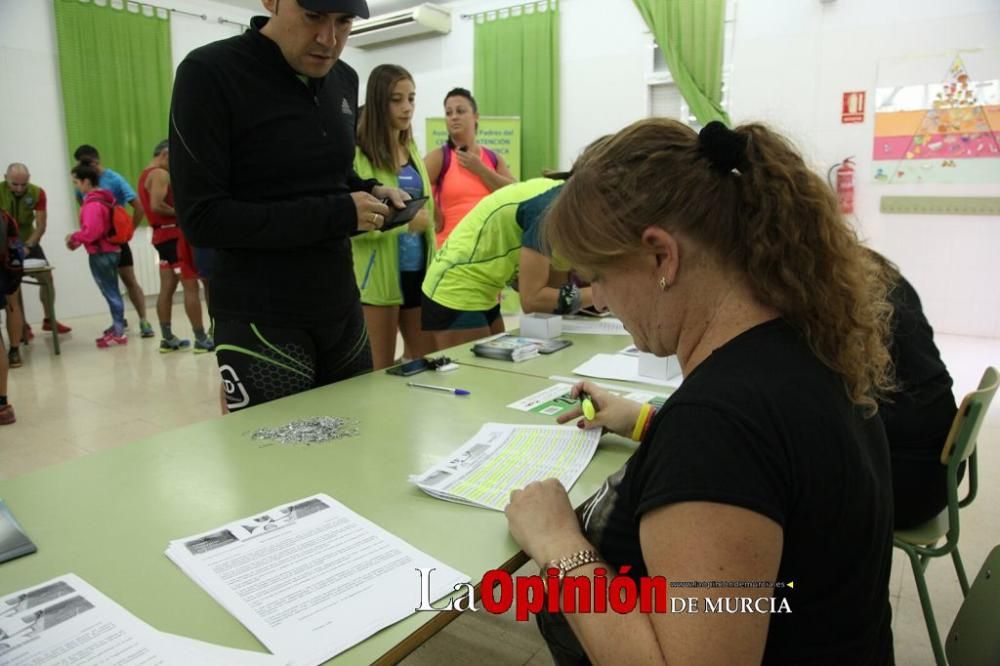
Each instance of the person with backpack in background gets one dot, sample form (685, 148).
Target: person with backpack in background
(114, 182)
(462, 171)
(96, 228)
(158, 201)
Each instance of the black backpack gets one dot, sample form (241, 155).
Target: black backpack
(11, 255)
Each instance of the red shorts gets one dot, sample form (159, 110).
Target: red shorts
(176, 254)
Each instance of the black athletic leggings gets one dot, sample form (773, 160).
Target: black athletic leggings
(263, 363)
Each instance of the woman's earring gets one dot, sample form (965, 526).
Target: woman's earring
(663, 283)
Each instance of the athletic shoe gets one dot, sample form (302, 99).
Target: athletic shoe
(14, 358)
(204, 346)
(62, 328)
(7, 414)
(28, 333)
(111, 340)
(146, 330)
(111, 329)
(174, 344)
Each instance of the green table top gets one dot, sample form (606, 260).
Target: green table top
(108, 517)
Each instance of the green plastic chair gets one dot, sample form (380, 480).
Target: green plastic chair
(921, 543)
(974, 639)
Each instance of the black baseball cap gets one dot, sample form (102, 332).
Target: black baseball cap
(357, 8)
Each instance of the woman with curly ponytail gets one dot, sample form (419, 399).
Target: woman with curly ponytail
(768, 463)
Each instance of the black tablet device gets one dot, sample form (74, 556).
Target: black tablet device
(400, 216)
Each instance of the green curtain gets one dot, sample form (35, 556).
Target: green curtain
(517, 74)
(116, 72)
(691, 34)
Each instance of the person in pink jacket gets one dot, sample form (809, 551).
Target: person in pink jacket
(95, 225)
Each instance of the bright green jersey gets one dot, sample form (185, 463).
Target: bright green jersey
(483, 253)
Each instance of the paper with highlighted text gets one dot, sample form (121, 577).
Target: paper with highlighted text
(502, 457)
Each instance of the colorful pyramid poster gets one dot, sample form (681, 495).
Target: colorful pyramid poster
(955, 138)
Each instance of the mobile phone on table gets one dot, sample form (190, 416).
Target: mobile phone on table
(553, 345)
(409, 368)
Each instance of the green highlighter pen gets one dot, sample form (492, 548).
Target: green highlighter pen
(587, 404)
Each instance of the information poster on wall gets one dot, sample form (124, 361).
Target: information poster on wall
(501, 134)
(937, 119)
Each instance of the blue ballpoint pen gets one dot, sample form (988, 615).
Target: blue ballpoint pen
(447, 389)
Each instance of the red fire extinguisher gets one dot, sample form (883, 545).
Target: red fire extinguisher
(844, 185)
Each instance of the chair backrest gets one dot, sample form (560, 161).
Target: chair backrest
(974, 639)
(961, 440)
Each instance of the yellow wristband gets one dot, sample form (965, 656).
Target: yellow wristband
(640, 422)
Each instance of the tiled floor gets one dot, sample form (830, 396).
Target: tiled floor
(88, 399)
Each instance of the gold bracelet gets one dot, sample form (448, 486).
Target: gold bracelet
(640, 421)
(574, 561)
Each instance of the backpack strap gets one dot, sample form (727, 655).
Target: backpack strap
(445, 163)
(111, 216)
(493, 158)
(446, 158)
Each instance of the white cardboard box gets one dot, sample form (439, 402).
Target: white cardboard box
(658, 367)
(538, 325)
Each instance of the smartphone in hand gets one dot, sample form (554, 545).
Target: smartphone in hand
(400, 216)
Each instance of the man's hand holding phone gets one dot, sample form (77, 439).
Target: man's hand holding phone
(370, 211)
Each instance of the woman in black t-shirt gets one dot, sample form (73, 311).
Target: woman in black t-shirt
(919, 414)
(768, 463)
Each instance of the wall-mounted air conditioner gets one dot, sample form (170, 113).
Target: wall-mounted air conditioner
(420, 20)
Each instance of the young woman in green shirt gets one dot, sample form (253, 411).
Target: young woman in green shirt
(390, 266)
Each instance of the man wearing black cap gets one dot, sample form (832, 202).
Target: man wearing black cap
(262, 131)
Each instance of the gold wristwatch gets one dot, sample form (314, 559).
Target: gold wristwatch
(574, 561)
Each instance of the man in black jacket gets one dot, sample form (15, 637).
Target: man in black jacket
(262, 131)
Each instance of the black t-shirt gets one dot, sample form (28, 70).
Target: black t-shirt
(763, 424)
(920, 414)
(262, 169)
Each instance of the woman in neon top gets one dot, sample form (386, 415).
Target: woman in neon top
(462, 171)
(390, 266)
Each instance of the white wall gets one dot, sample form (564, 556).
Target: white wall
(791, 63)
(32, 130)
(604, 55)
